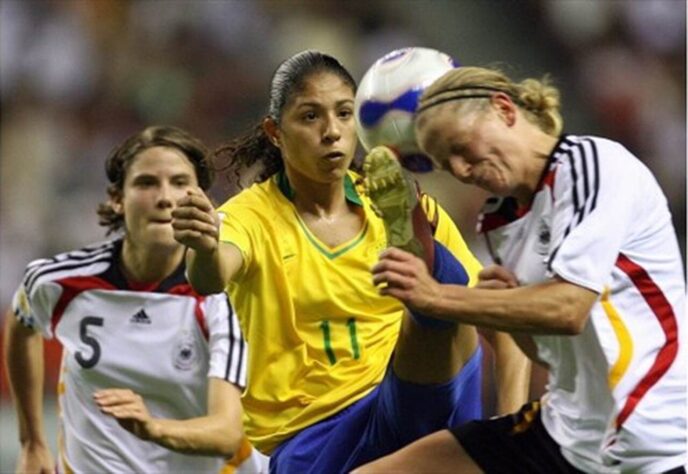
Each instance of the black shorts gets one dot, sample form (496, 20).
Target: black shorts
(513, 444)
(517, 443)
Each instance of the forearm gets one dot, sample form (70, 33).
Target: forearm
(24, 363)
(512, 374)
(547, 308)
(204, 271)
(207, 435)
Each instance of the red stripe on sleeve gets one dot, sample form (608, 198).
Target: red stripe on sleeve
(667, 319)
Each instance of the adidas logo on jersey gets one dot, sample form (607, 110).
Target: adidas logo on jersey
(140, 318)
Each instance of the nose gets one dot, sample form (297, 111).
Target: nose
(165, 196)
(460, 168)
(332, 131)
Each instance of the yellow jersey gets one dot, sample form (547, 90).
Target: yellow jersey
(320, 334)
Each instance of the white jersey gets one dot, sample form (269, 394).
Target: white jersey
(616, 395)
(162, 343)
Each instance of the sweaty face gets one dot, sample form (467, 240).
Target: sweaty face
(474, 147)
(155, 180)
(316, 134)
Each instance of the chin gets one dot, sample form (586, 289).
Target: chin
(163, 239)
(498, 189)
(333, 174)
(501, 192)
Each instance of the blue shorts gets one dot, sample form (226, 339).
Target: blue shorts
(393, 415)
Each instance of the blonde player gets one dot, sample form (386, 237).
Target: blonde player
(589, 280)
(152, 372)
(295, 250)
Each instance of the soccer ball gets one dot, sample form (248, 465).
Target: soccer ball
(387, 98)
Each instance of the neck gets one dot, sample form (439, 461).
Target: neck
(540, 147)
(319, 199)
(148, 265)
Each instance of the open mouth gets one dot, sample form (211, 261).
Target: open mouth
(335, 155)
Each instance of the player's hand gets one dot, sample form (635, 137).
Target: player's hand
(35, 458)
(128, 409)
(404, 276)
(195, 222)
(496, 277)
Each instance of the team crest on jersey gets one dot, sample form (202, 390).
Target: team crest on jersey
(185, 352)
(544, 235)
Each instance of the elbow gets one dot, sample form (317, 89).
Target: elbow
(571, 323)
(567, 306)
(231, 444)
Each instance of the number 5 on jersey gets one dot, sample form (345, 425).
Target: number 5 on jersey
(92, 342)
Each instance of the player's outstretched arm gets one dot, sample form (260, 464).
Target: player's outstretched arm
(24, 364)
(554, 306)
(219, 433)
(210, 263)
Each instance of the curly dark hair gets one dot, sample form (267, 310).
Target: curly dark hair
(254, 147)
(121, 158)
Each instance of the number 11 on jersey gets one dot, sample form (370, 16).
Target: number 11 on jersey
(327, 339)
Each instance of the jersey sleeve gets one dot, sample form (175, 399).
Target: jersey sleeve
(228, 350)
(448, 234)
(236, 228)
(597, 196)
(33, 303)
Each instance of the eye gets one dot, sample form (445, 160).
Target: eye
(346, 113)
(181, 181)
(309, 116)
(144, 182)
(456, 150)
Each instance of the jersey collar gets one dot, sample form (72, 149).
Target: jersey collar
(116, 277)
(350, 192)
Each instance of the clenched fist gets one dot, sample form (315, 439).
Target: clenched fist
(195, 222)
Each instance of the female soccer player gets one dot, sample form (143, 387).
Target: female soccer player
(295, 252)
(151, 371)
(587, 264)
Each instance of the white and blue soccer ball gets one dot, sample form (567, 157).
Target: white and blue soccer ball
(388, 96)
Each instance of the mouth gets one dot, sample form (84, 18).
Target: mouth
(334, 156)
(161, 221)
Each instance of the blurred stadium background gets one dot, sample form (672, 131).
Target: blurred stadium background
(76, 77)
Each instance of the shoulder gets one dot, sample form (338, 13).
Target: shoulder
(89, 260)
(255, 195)
(258, 209)
(600, 165)
(579, 151)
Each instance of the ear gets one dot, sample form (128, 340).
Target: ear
(272, 131)
(504, 107)
(116, 203)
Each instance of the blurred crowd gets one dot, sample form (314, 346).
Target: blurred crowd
(628, 59)
(78, 76)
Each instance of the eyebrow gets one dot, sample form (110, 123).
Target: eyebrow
(320, 104)
(154, 176)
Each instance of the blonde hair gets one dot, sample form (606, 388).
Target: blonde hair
(538, 99)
